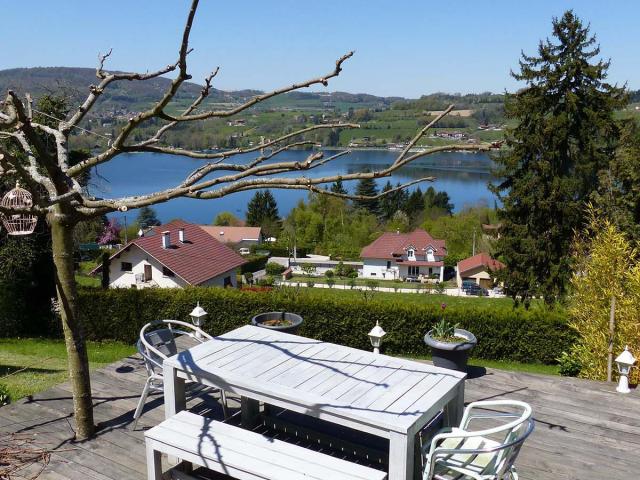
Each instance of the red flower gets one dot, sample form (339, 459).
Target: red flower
(443, 306)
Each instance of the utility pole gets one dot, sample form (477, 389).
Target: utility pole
(474, 242)
(126, 238)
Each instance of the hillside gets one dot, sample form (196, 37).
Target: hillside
(133, 96)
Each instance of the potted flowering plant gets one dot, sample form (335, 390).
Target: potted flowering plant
(450, 346)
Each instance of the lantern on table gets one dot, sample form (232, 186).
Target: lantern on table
(18, 223)
(375, 336)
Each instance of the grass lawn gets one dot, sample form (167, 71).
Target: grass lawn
(507, 365)
(84, 279)
(381, 283)
(45, 362)
(423, 298)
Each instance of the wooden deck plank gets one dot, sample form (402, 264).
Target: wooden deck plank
(584, 429)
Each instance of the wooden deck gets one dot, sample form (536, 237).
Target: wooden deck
(584, 430)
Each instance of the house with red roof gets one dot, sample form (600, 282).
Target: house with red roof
(415, 255)
(173, 255)
(236, 236)
(479, 269)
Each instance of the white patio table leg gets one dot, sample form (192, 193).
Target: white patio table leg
(455, 408)
(175, 400)
(174, 396)
(401, 456)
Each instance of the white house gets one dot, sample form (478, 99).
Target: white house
(174, 255)
(400, 255)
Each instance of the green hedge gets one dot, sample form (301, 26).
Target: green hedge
(254, 264)
(503, 333)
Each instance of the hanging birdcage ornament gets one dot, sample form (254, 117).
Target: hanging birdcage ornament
(18, 223)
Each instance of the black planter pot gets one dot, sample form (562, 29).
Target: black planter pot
(453, 356)
(295, 319)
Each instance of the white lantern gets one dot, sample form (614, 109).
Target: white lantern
(18, 223)
(375, 336)
(198, 316)
(625, 361)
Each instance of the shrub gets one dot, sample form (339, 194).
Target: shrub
(254, 264)
(274, 268)
(504, 333)
(328, 274)
(439, 287)
(331, 282)
(569, 365)
(266, 281)
(5, 398)
(310, 283)
(371, 284)
(340, 269)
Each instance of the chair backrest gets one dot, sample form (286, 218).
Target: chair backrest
(157, 345)
(500, 455)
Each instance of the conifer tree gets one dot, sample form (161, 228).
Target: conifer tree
(338, 187)
(565, 135)
(367, 187)
(262, 211)
(147, 218)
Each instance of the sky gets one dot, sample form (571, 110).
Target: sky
(403, 48)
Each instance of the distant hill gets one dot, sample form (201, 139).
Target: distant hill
(134, 95)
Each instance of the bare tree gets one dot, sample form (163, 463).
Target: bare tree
(60, 197)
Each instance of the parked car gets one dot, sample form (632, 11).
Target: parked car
(244, 251)
(476, 290)
(466, 284)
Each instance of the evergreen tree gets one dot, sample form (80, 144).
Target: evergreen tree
(262, 211)
(388, 202)
(415, 203)
(367, 187)
(618, 195)
(564, 136)
(147, 218)
(338, 187)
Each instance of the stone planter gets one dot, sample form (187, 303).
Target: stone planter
(263, 319)
(451, 355)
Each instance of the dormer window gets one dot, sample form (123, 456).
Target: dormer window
(430, 251)
(411, 253)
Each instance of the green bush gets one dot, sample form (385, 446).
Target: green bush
(329, 274)
(254, 264)
(504, 333)
(5, 398)
(274, 268)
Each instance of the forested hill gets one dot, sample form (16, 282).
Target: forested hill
(133, 95)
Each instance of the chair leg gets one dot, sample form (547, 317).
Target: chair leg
(225, 407)
(154, 465)
(141, 402)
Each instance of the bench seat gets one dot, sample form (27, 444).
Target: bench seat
(243, 454)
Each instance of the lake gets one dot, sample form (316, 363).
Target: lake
(464, 176)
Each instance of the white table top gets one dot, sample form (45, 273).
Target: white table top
(321, 379)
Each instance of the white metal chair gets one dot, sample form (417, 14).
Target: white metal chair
(156, 343)
(487, 454)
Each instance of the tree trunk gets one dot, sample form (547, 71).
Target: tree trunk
(78, 361)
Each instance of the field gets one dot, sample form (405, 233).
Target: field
(381, 283)
(28, 366)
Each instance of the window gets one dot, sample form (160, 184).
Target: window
(227, 282)
(373, 274)
(126, 267)
(388, 264)
(411, 253)
(414, 271)
(430, 271)
(167, 273)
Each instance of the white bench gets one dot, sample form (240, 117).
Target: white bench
(243, 454)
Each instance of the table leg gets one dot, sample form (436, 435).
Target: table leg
(249, 412)
(401, 456)
(455, 408)
(174, 396)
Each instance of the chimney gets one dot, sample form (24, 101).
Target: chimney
(166, 239)
(181, 235)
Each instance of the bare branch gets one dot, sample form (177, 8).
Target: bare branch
(265, 96)
(105, 156)
(421, 133)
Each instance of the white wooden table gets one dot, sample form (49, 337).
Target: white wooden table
(385, 396)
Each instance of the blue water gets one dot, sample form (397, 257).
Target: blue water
(464, 176)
